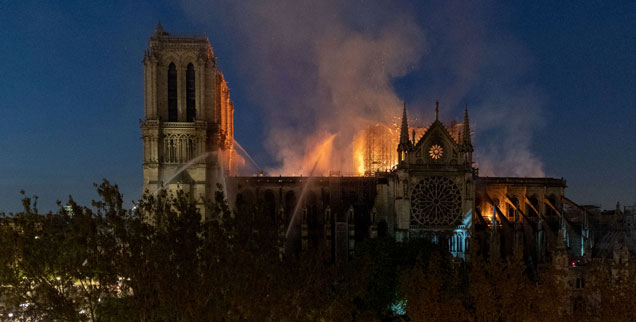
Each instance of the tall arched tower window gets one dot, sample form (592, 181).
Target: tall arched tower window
(172, 93)
(190, 94)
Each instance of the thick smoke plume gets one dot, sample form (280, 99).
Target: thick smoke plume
(324, 70)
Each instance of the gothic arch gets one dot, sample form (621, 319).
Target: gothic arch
(511, 209)
(167, 58)
(311, 202)
(245, 198)
(269, 204)
(187, 59)
(289, 204)
(239, 199)
(535, 203)
(314, 218)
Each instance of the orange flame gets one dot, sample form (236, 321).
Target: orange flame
(320, 156)
(374, 149)
(359, 143)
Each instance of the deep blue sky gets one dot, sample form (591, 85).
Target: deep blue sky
(71, 88)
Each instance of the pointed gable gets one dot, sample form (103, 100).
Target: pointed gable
(436, 146)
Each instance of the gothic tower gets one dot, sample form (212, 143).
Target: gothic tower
(188, 126)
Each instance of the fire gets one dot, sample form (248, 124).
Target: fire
(372, 146)
(317, 159)
(374, 149)
(358, 155)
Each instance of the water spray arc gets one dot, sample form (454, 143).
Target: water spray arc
(319, 155)
(223, 182)
(181, 169)
(300, 199)
(247, 155)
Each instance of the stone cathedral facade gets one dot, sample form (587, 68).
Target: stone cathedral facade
(188, 116)
(434, 191)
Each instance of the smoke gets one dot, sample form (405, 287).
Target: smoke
(506, 125)
(324, 70)
(473, 61)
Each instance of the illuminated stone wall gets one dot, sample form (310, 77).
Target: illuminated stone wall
(199, 135)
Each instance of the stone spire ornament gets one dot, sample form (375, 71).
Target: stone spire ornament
(436, 110)
(404, 144)
(159, 30)
(404, 129)
(466, 141)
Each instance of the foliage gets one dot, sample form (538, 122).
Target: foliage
(161, 262)
(158, 262)
(54, 263)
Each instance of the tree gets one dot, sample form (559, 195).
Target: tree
(158, 262)
(610, 292)
(434, 290)
(52, 265)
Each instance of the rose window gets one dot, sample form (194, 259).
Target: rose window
(435, 201)
(436, 151)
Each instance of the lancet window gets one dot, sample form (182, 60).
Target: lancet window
(190, 94)
(172, 93)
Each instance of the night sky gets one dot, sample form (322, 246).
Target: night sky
(549, 85)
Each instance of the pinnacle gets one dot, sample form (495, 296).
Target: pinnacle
(159, 30)
(466, 130)
(404, 129)
(436, 110)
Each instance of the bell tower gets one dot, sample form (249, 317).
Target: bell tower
(188, 126)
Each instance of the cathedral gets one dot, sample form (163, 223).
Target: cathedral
(432, 191)
(188, 112)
